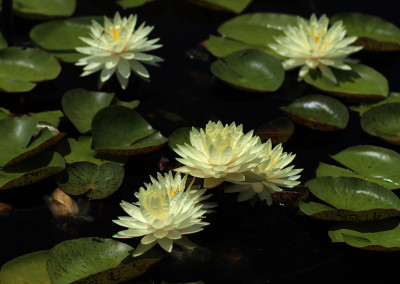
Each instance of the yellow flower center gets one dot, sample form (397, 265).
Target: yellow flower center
(316, 37)
(115, 32)
(155, 203)
(173, 191)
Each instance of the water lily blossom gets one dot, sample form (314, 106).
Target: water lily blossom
(117, 47)
(312, 45)
(220, 153)
(276, 175)
(166, 210)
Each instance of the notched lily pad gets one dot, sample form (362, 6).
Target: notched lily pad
(235, 6)
(278, 130)
(122, 131)
(380, 236)
(179, 136)
(47, 117)
(383, 121)
(373, 32)
(392, 98)
(220, 47)
(350, 199)
(97, 181)
(22, 68)
(94, 260)
(40, 9)
(318, 112)
(360, 83)
(251, 70)
(31, 170)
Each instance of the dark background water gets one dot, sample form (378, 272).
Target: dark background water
(243, 244)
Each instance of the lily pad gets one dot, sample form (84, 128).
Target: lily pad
(29, 268)
(383, 121)
(23, 138)
(50, 117)
(4, 113)
(61, 37)
(381, 236)
(97, 181)
(132, 3)
(258, 29)
(31, 170)
(94, 260)
(3, 42)
(179, 136)
(392, 98)
(235, 6)
(80, 151)
(220, 47)
(373, 32)
(40, 9)
(21, 68)
(318, 112)
(251, 70)
(361, 83)
(278, 130)
(122, 131)
(350, 199)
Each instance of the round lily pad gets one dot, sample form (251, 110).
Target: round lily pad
(350, 199)
(392, 98)
(94, 260)
(278, 130)
(97, 181)
(381, 236)
(318, 112)
(44, 8)
(31, 170)
(383, 121)
(122, 131)
(21, 68)
(251, 70)
(179, 136)
(220, 46)
(360, 83)
(235, 6)
(29, 268)
(61, 37)
(373, 32)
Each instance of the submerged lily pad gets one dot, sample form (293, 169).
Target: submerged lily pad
(21, 68)
(373, 32)
(318, 112)
(362, 83)
(31, 170)
(122, 131)
(94, 260)
(381, 236)
(235, 6)
(383, 121)
(350, 199)
(278, 130)
(80, 151)
(252, 70)
(97, 181)
(29, 268)
(23, 138)
(392, 98)
(61, 37)
(179, 136)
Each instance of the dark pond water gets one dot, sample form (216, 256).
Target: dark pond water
(243, 244)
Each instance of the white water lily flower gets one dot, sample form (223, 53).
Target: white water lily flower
(166, 210)
(218, 153)
(118, 48)
(312, 45)
(275, 176)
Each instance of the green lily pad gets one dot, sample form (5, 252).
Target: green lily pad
(21, 68)
(122, 131)
(23, 138)
(179, 136)
(97, 181)
(258, 29)
(220, 47)
(132, 3)
(29, 268)
(31, 170)
(4, 113)
(278, 130)
(251, 70)
(381, 236)
(61, 37)
(373, 32)
(361, 109)
(318, 112)
(383, 121)
(94, 260)
(50, 117)
(362, 82)
(80, 106)
(235, 6)
(350, 199)
(80, 151)
(3, 42)
(40, 9)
